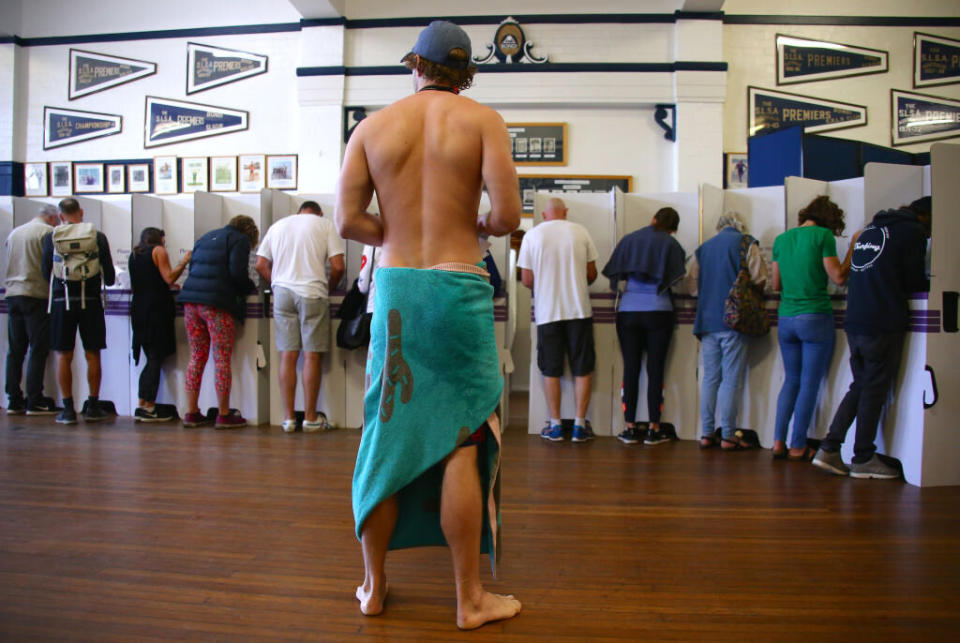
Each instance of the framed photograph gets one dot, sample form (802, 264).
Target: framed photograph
(223, 173)
(735, 170)
(88, 177)
(138, 177)
(194, 174)
(35, 179)
(165, 175)
(115, 179)
(539, 143)
(252, 168)
(61, 178)
(282, 171)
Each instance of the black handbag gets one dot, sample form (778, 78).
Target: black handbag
(354, 330)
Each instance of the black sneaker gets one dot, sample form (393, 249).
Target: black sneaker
(16, 406)
(151, 415)
(655, 437)
(43, 406)
(66, 416)
(629, 435)
(94, 412)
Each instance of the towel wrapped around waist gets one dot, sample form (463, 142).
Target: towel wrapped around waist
(434, 378)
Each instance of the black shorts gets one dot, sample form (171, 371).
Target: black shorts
(571, 336)
(64, 324)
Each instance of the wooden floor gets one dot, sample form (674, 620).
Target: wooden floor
(135, 532)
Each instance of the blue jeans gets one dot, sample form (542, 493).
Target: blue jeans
(724, 358)
(806, 343)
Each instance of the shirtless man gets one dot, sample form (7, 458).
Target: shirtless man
(427, 157)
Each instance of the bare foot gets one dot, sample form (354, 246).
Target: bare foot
(371, 602)
(491, 607)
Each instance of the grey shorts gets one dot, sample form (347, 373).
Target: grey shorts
(300, 323)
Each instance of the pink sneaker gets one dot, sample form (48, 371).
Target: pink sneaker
(193, 420)
(231, 421)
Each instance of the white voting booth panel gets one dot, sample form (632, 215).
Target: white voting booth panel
(680, 393)
(596, 212)
(6, 225)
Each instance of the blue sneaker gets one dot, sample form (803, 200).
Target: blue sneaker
(553, 433)
(581, 434)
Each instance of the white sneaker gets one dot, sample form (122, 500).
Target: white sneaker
(315, 427)
(289, 426)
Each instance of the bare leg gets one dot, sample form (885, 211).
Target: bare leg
(312, 363)
(64, 374)
(551, 387)
(461, 508)
(374, 540)
(288, 380)
(582, 385)
(93, 372)
(193, 401)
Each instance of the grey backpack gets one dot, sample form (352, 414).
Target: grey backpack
(76, 257)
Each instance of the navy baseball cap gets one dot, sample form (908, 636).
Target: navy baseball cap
(437, 41)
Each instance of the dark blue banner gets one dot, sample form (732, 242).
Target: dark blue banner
(802, 60)
(92, 72)
(213, 66)
(918, 117)
(172, 121)
(67, 126)
(936, 60)
(772, 111)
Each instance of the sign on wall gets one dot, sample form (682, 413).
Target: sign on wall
(174, 121)
(919, 117)
(68, 126)
(92, 72)
(936, 60)
(538, 143)
(530, 184)
(214, 66)
(510, 45)
(771, 111)
(800, 60)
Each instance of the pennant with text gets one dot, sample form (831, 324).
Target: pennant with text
(68, 126)
(771, 111)
(213, 66)
(800, 60)
(174, 121)
(936, 60)
(918, 117)
(92, 72)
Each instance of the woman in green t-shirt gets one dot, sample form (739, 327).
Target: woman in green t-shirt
(803, 259)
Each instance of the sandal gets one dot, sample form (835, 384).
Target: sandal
(738, 445)
(708, 442)
(780, 455)
(807, 455)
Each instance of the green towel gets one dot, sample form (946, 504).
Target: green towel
(434, 330)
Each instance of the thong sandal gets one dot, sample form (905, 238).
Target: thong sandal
(780, 455)
(738, 445)
(807, 455)
(708, 442)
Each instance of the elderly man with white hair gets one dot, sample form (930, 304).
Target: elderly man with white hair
(712, 271)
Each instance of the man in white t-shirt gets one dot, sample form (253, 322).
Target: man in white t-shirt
(293, 258)
(558, 261)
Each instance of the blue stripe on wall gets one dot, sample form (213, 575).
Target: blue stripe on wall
(167, 33)
(398, 69)
(844, 21)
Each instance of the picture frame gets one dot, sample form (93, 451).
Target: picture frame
(195, 174)
(539, 143)
(165, 175)
(735, 170)
(252, 172)
(35, 179)
(138, 177)
(115, 179)
(935, 60)
(223, 173)
(918, 118)
(530, 184)
(282, 171)
(87, 178)
(804, 60)
(61, 178)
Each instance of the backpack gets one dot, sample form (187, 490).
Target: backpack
(743, 309)
(76, 257)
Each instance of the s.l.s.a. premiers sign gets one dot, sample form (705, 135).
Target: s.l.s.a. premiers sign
(214, 66)
(801, 60)
(174, 121)
(91, 72)
(936, 60)
(771, 111)
(919, 117)
(68, 126)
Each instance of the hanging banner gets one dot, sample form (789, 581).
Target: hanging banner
(771, 111)
(92, 72)
(213, 66)
(800, 60)
(174, 121)
(918, 117)
(68, 126)
(936, 60)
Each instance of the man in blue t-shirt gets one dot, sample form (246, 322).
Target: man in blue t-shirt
(886, 266)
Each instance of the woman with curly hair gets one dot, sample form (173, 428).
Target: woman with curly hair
(803, 259)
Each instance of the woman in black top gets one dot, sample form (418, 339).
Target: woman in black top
(152, 314)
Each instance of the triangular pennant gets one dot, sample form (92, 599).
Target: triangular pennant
(918, 117)
(213, 66)
(936, 60)
(800, 60)
(92, 72)
(772, 111)
(173, 121)
(68, 126)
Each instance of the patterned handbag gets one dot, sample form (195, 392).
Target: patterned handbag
(743, 310)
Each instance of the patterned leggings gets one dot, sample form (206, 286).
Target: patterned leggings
(204, 322)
